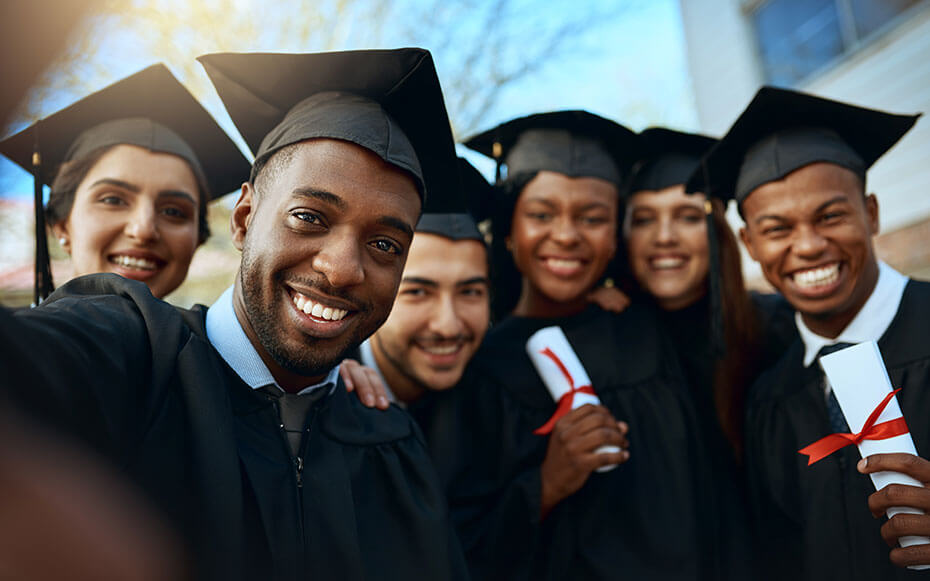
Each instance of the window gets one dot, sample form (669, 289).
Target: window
(798, 37)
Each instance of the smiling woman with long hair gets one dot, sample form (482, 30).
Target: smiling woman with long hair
(131, 169)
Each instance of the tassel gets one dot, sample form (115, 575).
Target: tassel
(43, 269)
(718, 343)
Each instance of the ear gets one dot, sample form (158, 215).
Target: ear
(747, 242)
(871, 211)
(508, 243)
(241, 216)
(60, 231)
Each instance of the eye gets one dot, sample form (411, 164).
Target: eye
(308, 217)
(176, 212)
(474, 292)
(539, 216)
(775, 230)
(641, 220)
(413, 292)
(593, 220)
(692, 218)
(387, 246)
(831, 217)
(111, 200)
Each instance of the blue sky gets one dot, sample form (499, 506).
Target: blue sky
(631, 68)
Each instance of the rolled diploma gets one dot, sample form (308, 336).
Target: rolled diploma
(860, 382)
(553, 378)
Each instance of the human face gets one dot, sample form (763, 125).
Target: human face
(563, 234)
(323, 248)
(811, 233)
(666, 235)
(439, 317)
(135, 214)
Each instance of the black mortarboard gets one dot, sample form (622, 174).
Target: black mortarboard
(454, 226)
(387, 101)
(573, 143)
(151, 109)
(458, 223)
(666, 158)
(782, 131)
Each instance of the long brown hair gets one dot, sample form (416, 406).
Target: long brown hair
(734, 373)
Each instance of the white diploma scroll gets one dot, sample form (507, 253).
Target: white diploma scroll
(560, 382)
(860, 382)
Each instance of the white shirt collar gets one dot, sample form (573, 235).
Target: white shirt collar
(869, 324)
(226, 335)
(367, 357)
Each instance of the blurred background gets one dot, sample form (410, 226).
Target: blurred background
(686, 64)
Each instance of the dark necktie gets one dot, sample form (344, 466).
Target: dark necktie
(292, 410)
(834, 412)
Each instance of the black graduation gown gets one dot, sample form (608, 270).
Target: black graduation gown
(815, 520)
(650, 518)
(139, 380)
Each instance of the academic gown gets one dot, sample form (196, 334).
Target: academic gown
(139, 380)
(650, 518)
(815, 519)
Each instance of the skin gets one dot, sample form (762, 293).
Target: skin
(137, 203)
(334, 226)
(443, 303)
(902, 525)
(563, 234)
(567, 219)
(666, 234)
(815, 217)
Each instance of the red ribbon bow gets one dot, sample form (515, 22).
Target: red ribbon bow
(565, 402)
(870, 431)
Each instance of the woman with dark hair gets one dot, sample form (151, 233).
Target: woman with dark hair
(683, 258)
(131, 169)
(531, 488)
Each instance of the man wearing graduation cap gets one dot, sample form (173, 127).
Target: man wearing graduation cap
(796, 164)
(228, 417)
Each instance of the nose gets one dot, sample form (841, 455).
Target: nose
(142, 225)
(808, 242)
(445, 320)
(565, 231)
(666, 233)
(340, 259)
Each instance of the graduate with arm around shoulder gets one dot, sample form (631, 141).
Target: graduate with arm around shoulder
(533, 505)
(796, 165)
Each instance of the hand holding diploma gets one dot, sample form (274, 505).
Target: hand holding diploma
(584, 436)
(860, 382)
(902, 524)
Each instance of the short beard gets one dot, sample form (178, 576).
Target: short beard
(306, 361)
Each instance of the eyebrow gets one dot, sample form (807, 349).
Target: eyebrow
(322, 195)
(122, 184)
(419, 280)
(833, 200)
(474, 280)
(397, 224)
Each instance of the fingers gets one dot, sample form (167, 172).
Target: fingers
(903, 525)
(589, 429)
(913, 466)
(365, 382)
(907, 556)
(899, 495)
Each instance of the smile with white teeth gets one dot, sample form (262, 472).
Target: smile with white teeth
(816, 277)
(318, 310)
(441, 349)
(134, 262)
(563, 263)
(667, 262)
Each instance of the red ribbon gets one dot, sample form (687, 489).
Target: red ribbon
(565, 402)
(870, 431)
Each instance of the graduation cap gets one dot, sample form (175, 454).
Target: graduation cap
(572, 143)
(460, 222)
(668, 158)
(783, 130)
(150, 109)
(387, 101)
